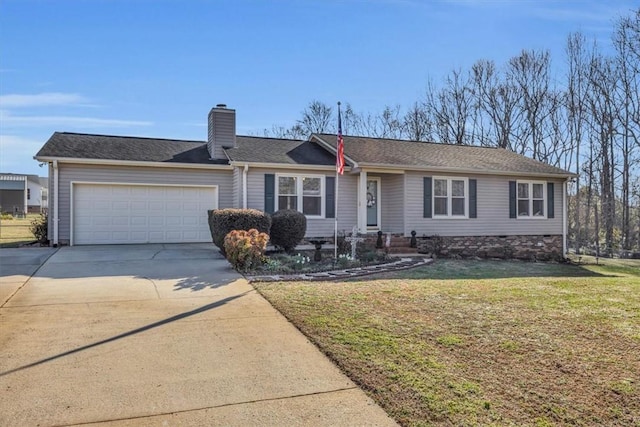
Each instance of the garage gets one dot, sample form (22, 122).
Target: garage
(140, 213)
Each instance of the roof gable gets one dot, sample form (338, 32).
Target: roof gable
(279, 151)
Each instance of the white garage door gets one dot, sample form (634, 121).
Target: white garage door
(115, 214)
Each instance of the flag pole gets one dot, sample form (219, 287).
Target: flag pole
(335, 226)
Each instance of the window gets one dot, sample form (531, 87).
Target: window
(287, 187)
(28, 194)
(531, 199)
(302, 193)
(450, 197)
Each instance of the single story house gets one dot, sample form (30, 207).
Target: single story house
(117, 189)
(20, 194)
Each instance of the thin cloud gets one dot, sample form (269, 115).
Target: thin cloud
(9, 120)
(17, 152)
(46, 99)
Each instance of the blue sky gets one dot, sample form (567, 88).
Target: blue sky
(155, 67)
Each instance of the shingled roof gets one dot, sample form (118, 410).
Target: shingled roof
(283, 151)
(383, 152)
(126, 148)
(364, 151)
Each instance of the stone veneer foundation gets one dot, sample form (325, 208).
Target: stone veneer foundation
(543, 248)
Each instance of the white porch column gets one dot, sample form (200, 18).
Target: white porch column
(362, 202)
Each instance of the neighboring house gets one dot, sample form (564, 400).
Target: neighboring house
(20, 194)
(113, 189)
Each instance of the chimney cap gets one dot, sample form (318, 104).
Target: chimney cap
(221, 106)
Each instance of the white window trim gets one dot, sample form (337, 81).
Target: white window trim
(545, 200)
(450, 197)
(299, 192)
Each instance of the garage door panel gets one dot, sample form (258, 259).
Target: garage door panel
(119, 214)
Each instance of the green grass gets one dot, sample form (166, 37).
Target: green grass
(16, 231)
(483, 342)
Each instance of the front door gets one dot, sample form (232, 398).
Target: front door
(373, 204)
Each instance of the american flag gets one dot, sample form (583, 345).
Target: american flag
(340, 146)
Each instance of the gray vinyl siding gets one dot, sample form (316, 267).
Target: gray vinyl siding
(135, 175)
(392, 203)
(493, 210)
(316, 227)
(236, 188)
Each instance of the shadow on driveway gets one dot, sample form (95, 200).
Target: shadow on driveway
(177, 317)
(194, 267)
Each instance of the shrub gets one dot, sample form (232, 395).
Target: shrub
(300, 261)
(245, 249)
(223, 221)
(288, 227)
(39, 228)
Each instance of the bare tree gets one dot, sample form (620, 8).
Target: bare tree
(386, 124)
(602, 82)
(628, 112)
(497, 100)
(577, 82)
(317, 117)
(416, 123)
(530, 74)
(450, 108)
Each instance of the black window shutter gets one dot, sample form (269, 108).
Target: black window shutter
(269, 193)
(473, 198)
(550, 201)
(512, 199)
(427, 197)
(330, 197)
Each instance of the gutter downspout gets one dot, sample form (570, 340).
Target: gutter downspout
(55, 203)
(564, 218)
(244, 185)
(25, 208)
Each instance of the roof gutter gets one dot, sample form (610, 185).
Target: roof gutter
(108, 162)
(285, 166)
(371, 167)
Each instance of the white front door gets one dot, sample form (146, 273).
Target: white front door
(373, 204)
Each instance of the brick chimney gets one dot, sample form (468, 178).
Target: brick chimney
(222, 130)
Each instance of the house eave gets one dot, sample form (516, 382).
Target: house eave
(373, 167)
(106, 162)
(284, 166)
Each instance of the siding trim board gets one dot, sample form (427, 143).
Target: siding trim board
(69, 160)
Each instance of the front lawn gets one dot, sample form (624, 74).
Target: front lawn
(483, 342)
(16, 231)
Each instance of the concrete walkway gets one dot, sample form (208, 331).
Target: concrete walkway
(157, 335)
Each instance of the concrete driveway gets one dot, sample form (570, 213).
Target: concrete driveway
(156, 335)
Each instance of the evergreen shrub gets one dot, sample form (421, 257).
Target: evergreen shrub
(288, 227)
(223, 221)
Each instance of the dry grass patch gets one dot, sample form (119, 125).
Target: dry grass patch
(16, 231)
(482, 342)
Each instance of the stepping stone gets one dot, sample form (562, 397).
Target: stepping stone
(338, 273)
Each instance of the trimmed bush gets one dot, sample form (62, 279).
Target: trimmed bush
(39, 229)
(245, 249)
(288, 227)
(223, 221)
